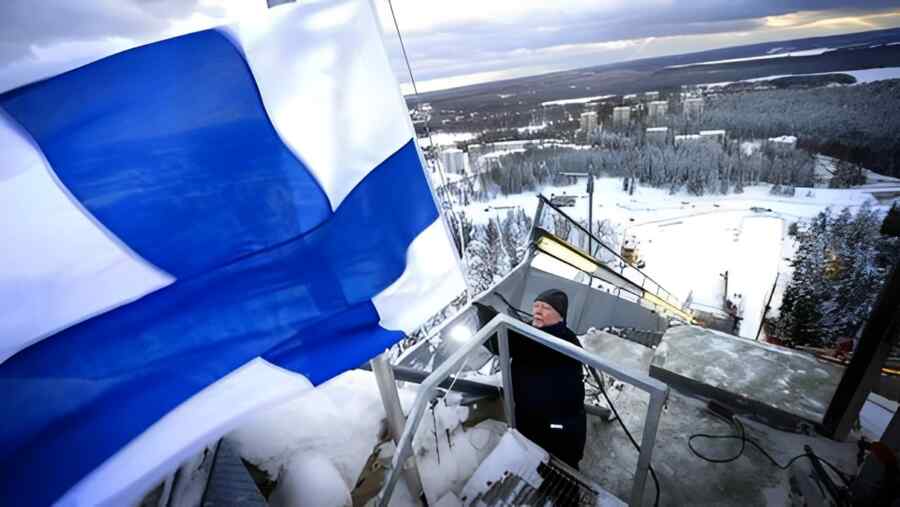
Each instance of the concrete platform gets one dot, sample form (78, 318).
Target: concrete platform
(685, 479)
(784, 386)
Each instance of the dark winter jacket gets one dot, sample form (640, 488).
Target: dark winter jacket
(548, 389)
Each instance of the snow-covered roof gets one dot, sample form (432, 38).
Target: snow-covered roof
(784, 139)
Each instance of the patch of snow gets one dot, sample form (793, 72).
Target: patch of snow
(875, 416)
(531, 129)
(784, 139)
(311, 480)
(750, 147)
(446, 468)
(446, 138)
(581, 100)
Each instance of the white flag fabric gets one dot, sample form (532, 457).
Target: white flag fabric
(197, 229)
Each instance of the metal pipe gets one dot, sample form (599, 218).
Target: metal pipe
(648, 440)
(387, 387)
(509, 403)
(658, 394)
(406, 374)
(426, 392)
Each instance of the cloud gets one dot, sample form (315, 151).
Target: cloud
(39, 39)
(25, 25)
(448, 42)
(477, 38)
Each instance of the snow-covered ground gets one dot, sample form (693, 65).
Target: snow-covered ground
(580, 100)
(447, 138)
(688, 242)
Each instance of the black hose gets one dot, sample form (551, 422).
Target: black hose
(845, 477)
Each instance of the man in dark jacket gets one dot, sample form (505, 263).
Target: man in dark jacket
(548, 387)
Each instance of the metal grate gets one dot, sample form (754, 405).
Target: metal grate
(561, 487)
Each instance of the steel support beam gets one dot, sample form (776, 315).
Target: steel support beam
(878, 336)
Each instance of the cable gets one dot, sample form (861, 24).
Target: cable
(513, 308)
(625, 429)
(412, 80)
(745, 440)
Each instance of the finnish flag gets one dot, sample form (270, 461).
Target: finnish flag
(194, 230)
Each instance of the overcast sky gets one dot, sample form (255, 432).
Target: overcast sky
(450, 42)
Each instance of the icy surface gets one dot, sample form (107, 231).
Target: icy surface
(617, 350)
(791, 381)
(751, 480)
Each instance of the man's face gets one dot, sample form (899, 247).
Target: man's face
(544, 315)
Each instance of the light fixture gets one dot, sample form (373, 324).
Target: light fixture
(460, 333)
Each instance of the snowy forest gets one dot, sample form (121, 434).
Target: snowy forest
(854, 123)
(698, 167)
(840, 265)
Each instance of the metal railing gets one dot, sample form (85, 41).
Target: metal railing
(501, 324)
(579, 237)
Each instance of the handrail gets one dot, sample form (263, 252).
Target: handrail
(543, 200)
(500, 324)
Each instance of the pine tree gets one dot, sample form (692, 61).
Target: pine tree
(480, 269)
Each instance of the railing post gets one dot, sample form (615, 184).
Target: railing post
(387, 387)
(648, 440)
(509, 404)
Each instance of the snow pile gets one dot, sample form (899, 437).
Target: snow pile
(317, 445)
(311, 480)
(447, 453)
(338, 423)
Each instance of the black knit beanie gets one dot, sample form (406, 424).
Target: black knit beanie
(555, 298)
